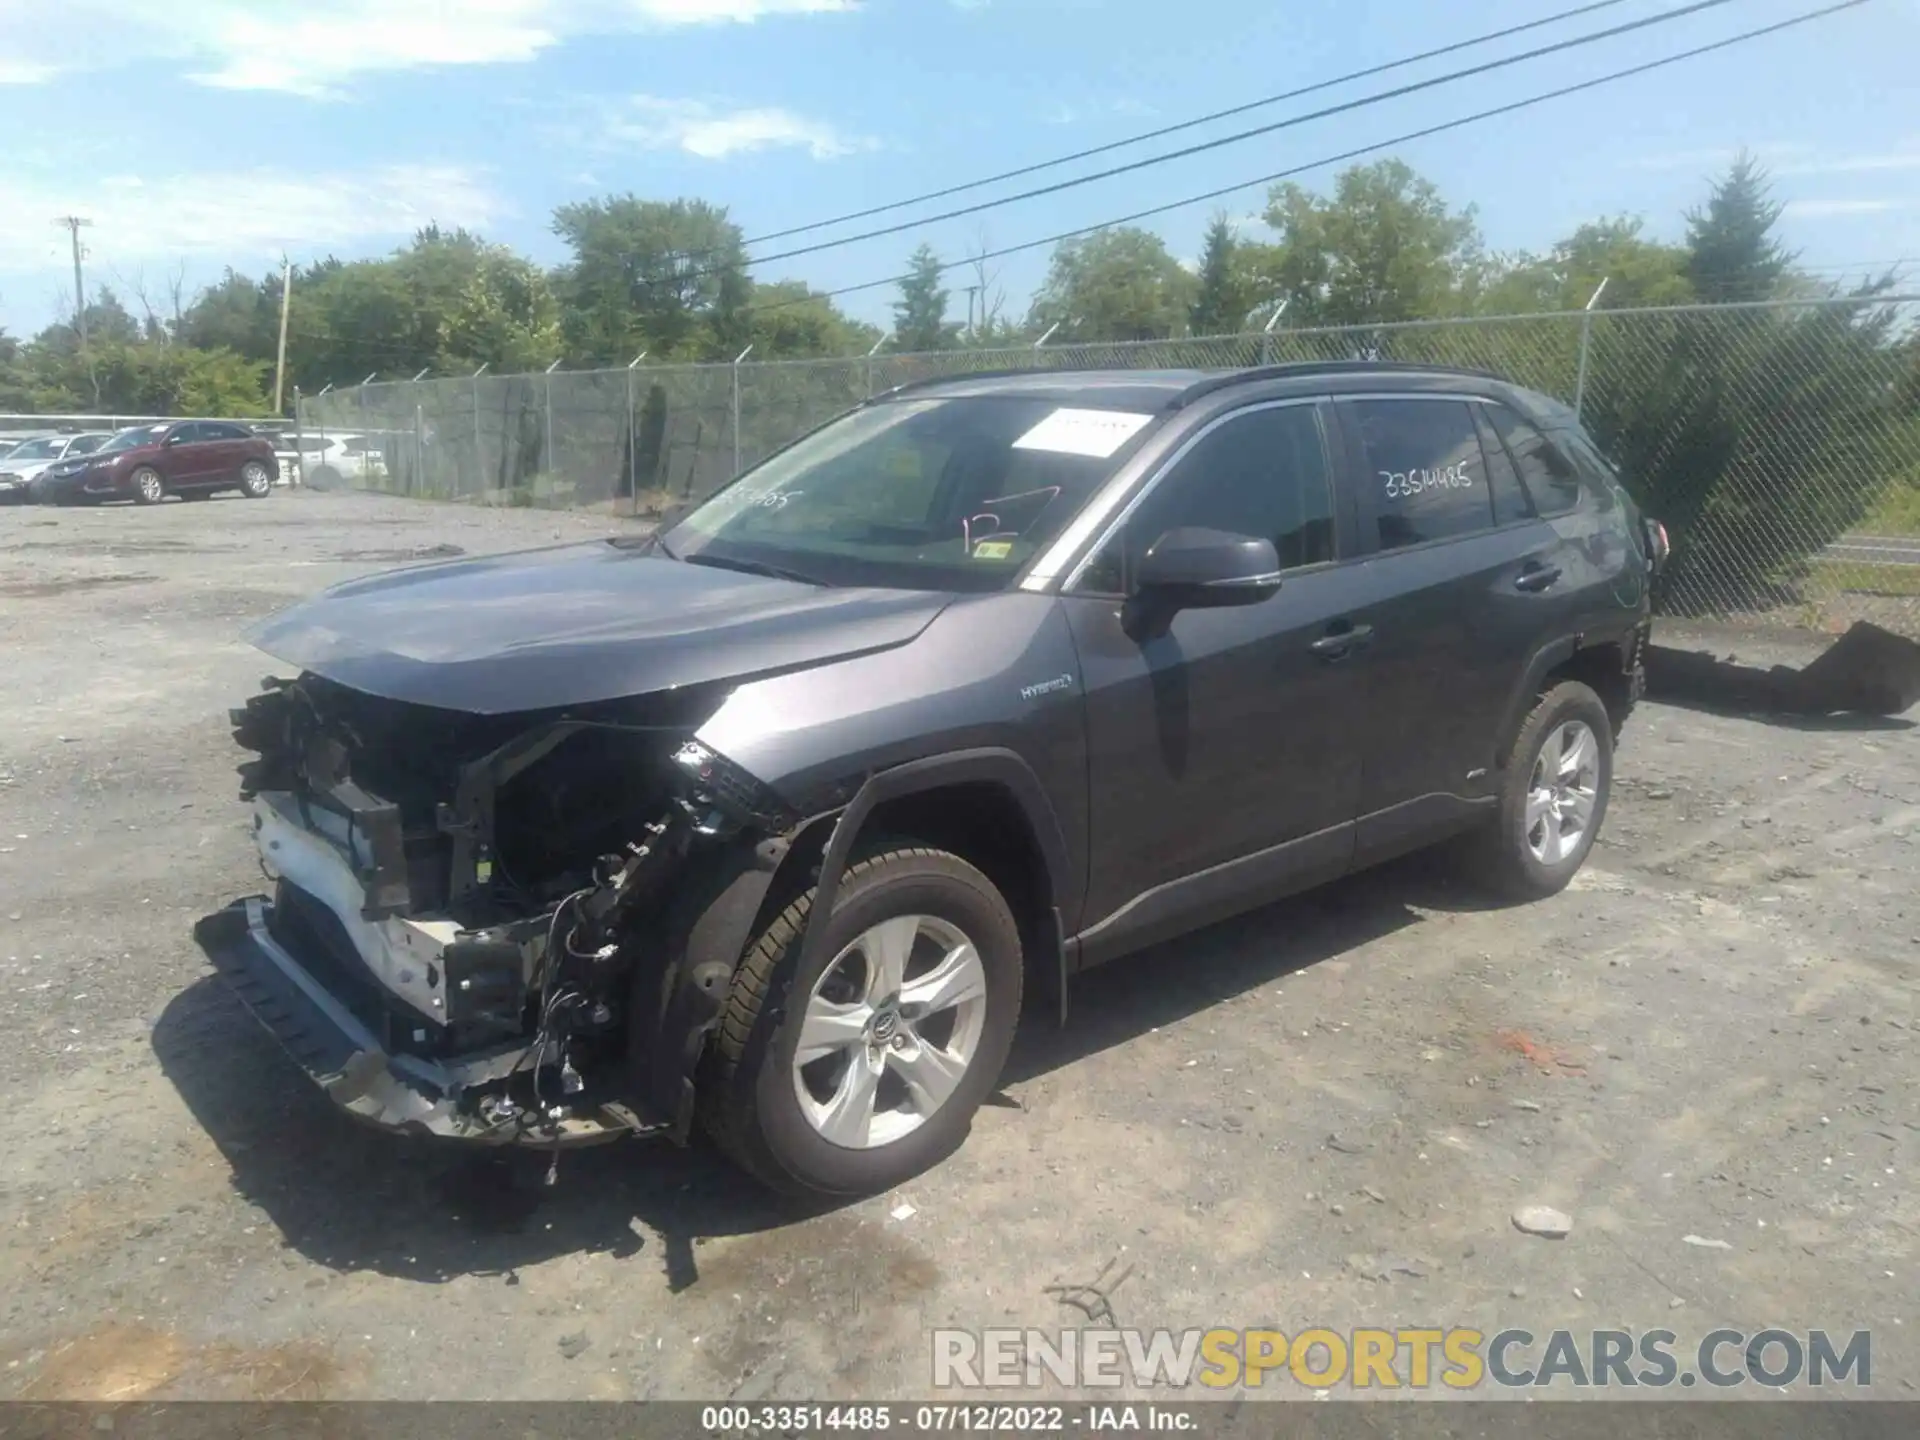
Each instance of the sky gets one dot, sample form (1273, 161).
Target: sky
(201, 134)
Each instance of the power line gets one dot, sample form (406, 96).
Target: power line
(1186, 152)
(1175, 129)
(1421, 134)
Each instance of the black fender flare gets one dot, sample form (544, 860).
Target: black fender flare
(712, 922)
(1545, 659)
(993, 765)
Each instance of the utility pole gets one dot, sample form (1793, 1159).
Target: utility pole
(286, 306)
(75, 224)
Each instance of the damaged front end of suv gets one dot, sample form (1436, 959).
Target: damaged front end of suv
(471, 934)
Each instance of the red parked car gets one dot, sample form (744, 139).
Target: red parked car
(189, 458)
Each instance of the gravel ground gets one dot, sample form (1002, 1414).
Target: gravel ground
(1325, 1113)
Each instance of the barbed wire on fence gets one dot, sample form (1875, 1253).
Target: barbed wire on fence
(1760, 433)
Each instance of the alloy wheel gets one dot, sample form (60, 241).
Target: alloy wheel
(1562, 792)
(889, 1031)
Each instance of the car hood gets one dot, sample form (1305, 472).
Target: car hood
(575, 624)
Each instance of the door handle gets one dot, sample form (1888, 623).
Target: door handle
(1337, 644)
(1536, 578)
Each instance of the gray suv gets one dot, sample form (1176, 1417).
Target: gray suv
(769, 823)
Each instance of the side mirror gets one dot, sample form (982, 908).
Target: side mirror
(1200, 569)
(1192, 569)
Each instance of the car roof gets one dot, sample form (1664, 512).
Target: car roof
(1158, 390)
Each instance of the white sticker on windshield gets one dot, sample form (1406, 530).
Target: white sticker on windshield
(1094, 433)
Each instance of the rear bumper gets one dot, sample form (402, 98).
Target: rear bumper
(406, 1094)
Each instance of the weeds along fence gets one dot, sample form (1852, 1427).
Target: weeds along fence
(1768, 437)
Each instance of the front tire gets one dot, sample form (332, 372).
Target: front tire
(256, 483)
(1553, 799)
(866, 1069)
(148, 487)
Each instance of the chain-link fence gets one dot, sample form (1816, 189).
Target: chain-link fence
(1779, 442)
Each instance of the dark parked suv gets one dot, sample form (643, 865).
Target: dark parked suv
(189, 458)
(771, 822)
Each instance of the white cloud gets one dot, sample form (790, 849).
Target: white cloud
(165, 217)
(1770, 155)
(1857, 164)
(315, 47)
(1823, 209)
(649, 122)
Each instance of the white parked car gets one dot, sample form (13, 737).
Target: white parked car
(327, 462)
(20, 465)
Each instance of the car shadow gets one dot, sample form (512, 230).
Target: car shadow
(351, 1198)
(1841, 722)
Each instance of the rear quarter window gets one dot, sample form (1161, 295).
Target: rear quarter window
(1549, 475)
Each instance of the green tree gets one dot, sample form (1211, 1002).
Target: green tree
(920, 314)
(663, 276)
(505, 316)
(1757, 436)
(1219, 302)
(145, 378)
(790, 321)
(1732, 252)
(1638, 272)
(109, 322)
(1384, 247)
(236, 313)
(1118, 284)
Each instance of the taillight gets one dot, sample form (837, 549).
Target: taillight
(1657, 543)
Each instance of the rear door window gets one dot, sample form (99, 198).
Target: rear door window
(1423, 468)
(1548, 475)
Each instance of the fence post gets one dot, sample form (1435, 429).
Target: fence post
(736, 406)
(419, 485)
(633, 440)
(1266, 334)
(479, 450)
(548, 456)
(1586, 339)
(299, 442)
(1038, 344)
(870, 354)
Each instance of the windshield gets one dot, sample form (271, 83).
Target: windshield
(128, 439)
(933, 494)
(38, 449)
(87, 444)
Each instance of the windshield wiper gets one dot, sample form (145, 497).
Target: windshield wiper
(756, 567)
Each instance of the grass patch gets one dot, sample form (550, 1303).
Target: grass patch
(1866, 579)
(1898, 513)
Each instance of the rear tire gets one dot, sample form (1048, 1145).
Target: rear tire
(1553, 797)
(908, 1013)
(256, 481)
(148, 487)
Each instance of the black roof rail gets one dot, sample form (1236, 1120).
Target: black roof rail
(1020, 372)
(1300, 369)
(1291, 369)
